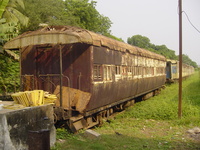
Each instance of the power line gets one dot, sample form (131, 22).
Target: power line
(190, 21)
(187, 18)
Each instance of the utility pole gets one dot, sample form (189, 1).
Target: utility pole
(180, 61)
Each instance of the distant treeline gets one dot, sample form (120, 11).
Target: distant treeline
(144, 42)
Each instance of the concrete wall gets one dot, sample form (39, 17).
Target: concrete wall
(15, 126)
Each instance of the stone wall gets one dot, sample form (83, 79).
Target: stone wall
(15, 126)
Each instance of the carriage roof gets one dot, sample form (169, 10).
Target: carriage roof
(69, 35)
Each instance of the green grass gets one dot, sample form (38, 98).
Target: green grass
(152, 124)
(165, 105)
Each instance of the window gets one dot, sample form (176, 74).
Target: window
(149, 71)
(140, 71)
(97, 72)
(129, 68)
(107, 73)
(124, 70)
(136, 70)
(117, 70)
(174, 69)
(152, 71)
(160, 70)
(145, 71)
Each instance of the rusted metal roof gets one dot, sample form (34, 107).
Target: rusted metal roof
(67, 35)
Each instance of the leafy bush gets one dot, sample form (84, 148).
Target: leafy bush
(9, 74)
(62, 133)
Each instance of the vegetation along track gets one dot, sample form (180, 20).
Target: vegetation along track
(152, 124)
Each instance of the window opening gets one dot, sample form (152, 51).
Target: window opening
(107, 73)
(97, 72)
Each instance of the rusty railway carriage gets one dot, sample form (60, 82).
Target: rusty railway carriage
(172, 70)
(92, 75)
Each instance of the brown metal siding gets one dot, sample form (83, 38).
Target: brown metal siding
(76, 65)
(28, 60)
(42, 62)
(107, 92)
(103, 55)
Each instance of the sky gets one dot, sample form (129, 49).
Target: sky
(156, 19)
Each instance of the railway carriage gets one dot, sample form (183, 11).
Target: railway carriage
(92, 75)
(172, 70)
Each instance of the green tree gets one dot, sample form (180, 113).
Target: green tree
(3, 4)
(11, 18)
(144, 42)
(87, 16)
(9, 74)
(113, 37)
(12, 12)
(140, 41)
(188, 61)
(50, 12)
(81, 13)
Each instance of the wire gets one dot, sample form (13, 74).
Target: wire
(187, 18)
(190, 21)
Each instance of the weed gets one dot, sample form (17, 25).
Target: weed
(62, 133)
(165, 105)
(151, 124)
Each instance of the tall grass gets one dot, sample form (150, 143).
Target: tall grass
(152, 124)
(165, 105)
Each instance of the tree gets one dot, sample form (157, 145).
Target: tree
(187, 60)
(144, 42)
(113, 37)
(51, 12)
(87, 16)
(11, 19)
(12, 12)
(81, 13)
(3, 4)
(140, 41)
(9, 74)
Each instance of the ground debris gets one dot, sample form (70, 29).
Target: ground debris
(91, 134)
(61, 141)
(194, 133)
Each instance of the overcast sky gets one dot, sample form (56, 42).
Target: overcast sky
(157, 20)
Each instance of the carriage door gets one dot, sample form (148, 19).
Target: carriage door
(168, 70)
(47, 68)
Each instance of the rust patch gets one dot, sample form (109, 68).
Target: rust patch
(72, 98)
(69, 35)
